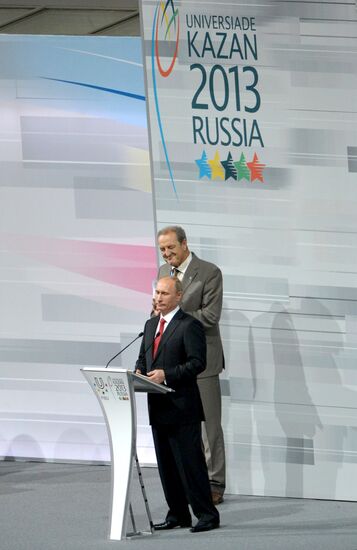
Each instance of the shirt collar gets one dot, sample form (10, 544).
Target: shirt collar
(185, 264)
(168, 317)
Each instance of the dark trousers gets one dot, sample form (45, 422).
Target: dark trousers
(183, 472)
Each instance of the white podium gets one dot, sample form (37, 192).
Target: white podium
(114, 389)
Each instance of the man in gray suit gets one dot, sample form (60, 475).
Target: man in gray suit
(202, 298)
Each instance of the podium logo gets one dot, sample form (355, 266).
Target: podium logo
(101, 388)
(118, 387)
(99, 383)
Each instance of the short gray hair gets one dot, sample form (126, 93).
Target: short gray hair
(180, 232)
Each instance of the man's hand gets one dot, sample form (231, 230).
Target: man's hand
(157, 375)
(138, 371)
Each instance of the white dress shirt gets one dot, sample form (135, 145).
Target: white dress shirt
(168, 317)
(182, 268)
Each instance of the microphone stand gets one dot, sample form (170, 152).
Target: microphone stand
(121, 351)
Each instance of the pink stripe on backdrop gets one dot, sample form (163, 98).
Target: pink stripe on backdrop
(129, 266)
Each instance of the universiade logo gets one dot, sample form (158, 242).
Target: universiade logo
(167, 22)
(118, 387)
(240, 86)
(101, 388)
(238, 170)
(165, 30)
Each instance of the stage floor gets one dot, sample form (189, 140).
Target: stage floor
(66, 507)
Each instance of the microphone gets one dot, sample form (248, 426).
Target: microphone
(121, 351)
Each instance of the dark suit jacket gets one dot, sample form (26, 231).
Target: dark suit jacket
(202, 298)
(182, 355)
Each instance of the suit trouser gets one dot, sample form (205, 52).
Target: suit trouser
(212, 433)
(183, 472)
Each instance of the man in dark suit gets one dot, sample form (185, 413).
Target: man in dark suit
(202, 298)
(173, 352)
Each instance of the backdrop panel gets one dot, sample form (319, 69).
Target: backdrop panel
(252, 112)
(77, 236)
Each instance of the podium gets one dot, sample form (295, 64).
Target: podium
(115, 390)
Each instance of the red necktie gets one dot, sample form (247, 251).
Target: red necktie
(158, 337)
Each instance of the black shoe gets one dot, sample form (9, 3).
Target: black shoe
(204, 526)
(171, 524)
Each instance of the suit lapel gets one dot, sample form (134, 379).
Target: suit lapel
(190, 273)
(152, 326)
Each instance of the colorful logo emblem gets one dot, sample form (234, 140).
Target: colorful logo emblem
(165, 36)
(240, 169)
(167, 26)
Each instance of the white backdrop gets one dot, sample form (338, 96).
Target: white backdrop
(77, 236)
(78, 248)
(252, 114)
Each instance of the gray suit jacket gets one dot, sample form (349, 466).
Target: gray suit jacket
(202, 298)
